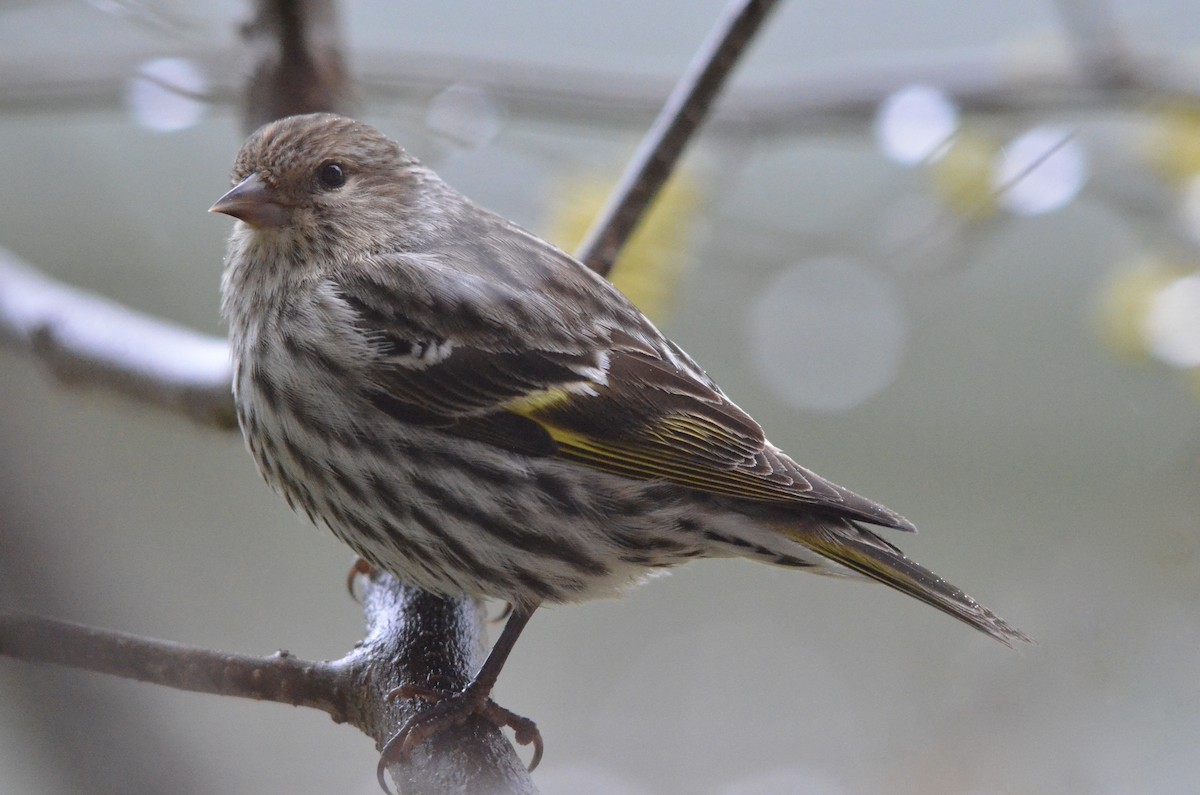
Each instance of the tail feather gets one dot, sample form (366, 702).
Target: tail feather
(862, 551)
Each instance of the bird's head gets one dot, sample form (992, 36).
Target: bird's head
(333, 182)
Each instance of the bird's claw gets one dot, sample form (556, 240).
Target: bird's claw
(360, 568)
(504, 614)
(451, 709)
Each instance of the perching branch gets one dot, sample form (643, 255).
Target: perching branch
(663, 144)
(281, 677)
(430, 641)
(473, 759)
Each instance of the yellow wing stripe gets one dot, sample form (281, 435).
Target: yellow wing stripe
(530, 404)
(647, 461)
(645, 464)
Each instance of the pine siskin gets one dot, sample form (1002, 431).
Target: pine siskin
(476, 412)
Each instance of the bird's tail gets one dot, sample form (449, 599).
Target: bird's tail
(862, 551)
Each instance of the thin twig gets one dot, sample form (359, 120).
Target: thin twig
(663, 144)
(281, 677)
(472, 759)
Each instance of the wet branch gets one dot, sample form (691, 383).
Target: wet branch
(473, 759)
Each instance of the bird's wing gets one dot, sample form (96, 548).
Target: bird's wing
(617, 398)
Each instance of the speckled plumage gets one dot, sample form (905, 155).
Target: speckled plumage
(473, 410)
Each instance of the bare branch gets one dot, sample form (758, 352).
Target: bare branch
(412, 637)
(281, 677)
(663, 144)
(1099, 48)
(88, 340)
(298, 65)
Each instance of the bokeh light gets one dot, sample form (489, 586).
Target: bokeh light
(166, 94)
(1172, 143)
(1042, 170)
(828, 334)
(1172, 326)
(914, 122)
(962, 177)
(1126, 301)
(466, 114)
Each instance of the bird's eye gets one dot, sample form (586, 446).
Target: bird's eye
(331, 176)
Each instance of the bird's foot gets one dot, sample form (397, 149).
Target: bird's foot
(451, 709)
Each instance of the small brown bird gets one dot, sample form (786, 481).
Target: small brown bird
(476, 412)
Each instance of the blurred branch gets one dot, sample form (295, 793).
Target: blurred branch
(1096, 42)
(298, 65)
(1014, 79)
(351, 690)
(680, 117)
(281, 677)
(87, 340)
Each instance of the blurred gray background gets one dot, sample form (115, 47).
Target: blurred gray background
(955, 367)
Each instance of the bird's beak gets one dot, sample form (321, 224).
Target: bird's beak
(254, 202)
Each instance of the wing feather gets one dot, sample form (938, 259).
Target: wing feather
(610, 393)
